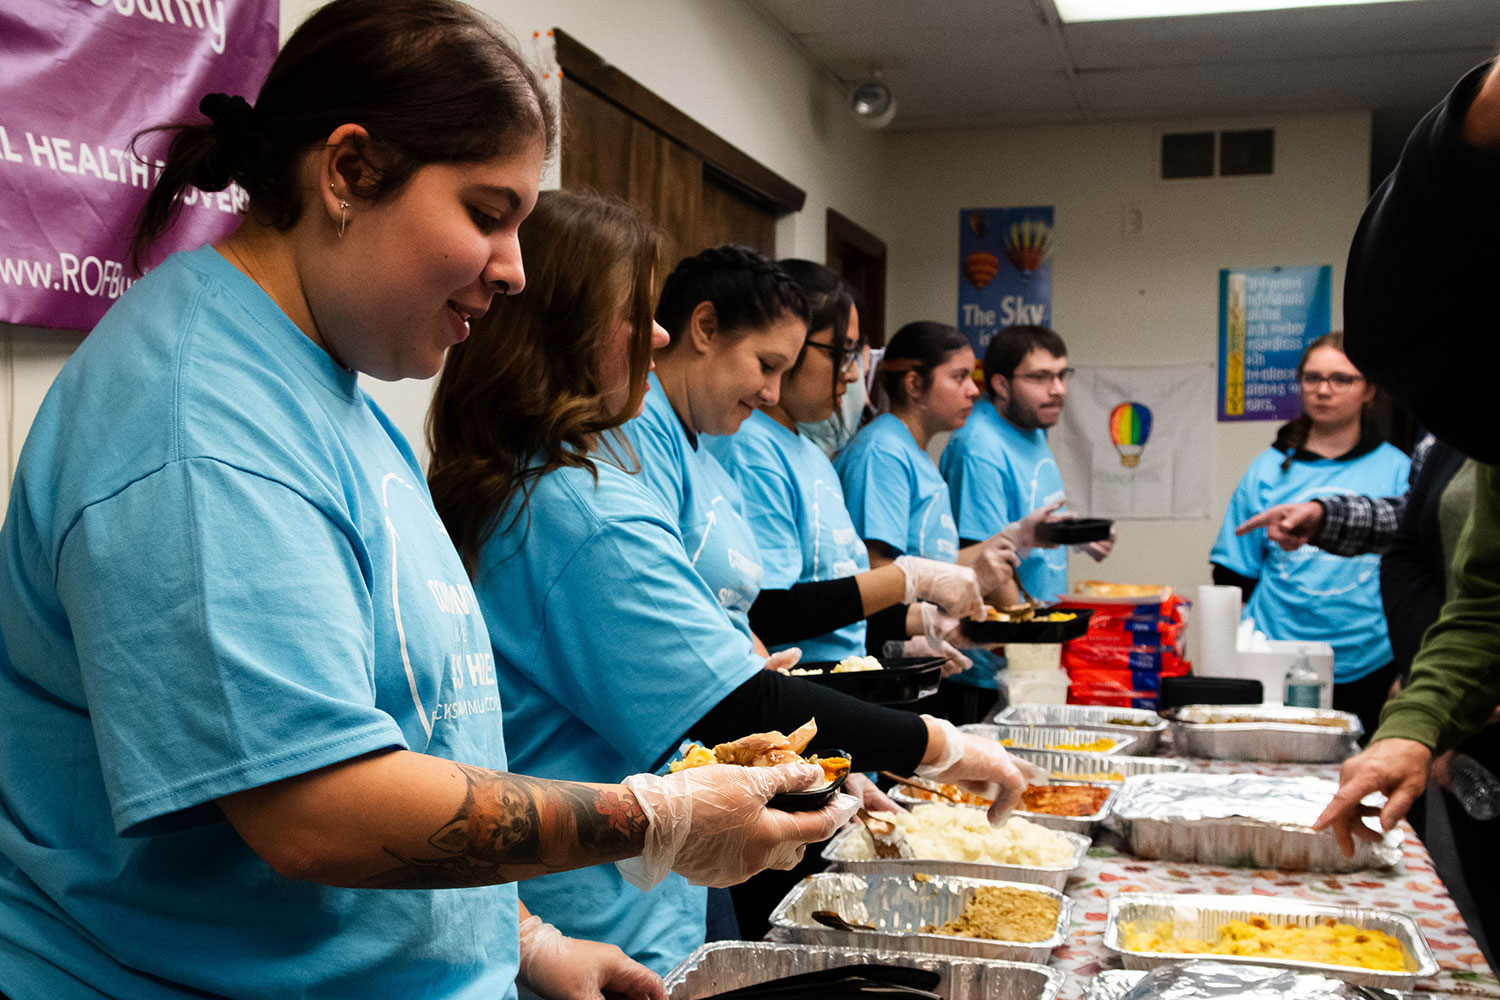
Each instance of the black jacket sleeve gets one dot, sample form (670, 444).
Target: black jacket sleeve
(1226, 577)
(1419, 288)
(806, 610)
(875, 737)
(1413, 572)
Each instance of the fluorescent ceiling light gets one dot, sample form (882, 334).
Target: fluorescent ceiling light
(1119, 10)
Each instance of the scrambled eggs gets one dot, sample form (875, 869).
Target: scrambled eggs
(1328, 942)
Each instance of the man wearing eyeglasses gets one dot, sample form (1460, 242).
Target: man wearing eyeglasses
(999, 465)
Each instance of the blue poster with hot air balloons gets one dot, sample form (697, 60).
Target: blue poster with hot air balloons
(1004, 270)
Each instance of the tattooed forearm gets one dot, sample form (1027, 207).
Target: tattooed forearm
(512, 821)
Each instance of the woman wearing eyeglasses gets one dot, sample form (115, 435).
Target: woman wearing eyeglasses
(818, 587)
(1307, 593)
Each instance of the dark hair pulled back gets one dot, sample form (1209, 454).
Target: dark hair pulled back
(747, 289)
(432, 81)
(917, 347)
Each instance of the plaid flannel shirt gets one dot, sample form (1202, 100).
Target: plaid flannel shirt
(1354, 524)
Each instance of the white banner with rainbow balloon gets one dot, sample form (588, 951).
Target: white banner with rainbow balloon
(1135, 442)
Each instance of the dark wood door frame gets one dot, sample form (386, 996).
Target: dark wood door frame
(858, 256)
(732, 165)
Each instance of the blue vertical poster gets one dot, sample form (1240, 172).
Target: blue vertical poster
(1004, 270)
(1266, 318)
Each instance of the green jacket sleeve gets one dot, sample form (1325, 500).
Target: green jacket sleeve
(1455, 677)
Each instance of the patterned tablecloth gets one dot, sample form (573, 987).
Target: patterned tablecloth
(1412, 887)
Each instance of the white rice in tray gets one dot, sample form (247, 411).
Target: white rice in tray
(958, 833)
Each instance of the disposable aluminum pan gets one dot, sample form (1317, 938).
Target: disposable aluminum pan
(899, 908)
(1065, 762)
(1240, 820)
(1289, 741)
(1055, 877)
(1230, 981)
(1085, 825)
(1147, 736)
(730, 965)
(1048, 737)
(1202, 916)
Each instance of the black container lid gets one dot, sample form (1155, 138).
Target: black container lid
(1176, 691)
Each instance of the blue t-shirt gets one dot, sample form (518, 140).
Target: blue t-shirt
(895, 494)
(796, 508)
(1311, 594)
(997, 474)
(220, 568)
(694, 488)
(608, 646)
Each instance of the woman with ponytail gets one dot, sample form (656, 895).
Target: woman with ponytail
(900, 503)
(246, 686)
(1307, 593)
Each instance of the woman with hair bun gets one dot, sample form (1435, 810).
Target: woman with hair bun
(819, 586)
(612, 637)
(899, 500)
(245, 679)
(1308, 593)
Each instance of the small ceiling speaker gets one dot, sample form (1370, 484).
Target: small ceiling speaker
(872, 102)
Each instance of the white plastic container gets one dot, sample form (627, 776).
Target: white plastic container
(1033, 657)
(1270, 667)
(1035, 687)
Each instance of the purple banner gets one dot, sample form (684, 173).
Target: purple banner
(80, 78)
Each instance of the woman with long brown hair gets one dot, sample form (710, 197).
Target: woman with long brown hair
(610, 648)
(1308, 593)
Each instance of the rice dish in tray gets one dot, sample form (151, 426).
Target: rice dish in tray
(958, 833)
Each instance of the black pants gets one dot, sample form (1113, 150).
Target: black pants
(1365, 697)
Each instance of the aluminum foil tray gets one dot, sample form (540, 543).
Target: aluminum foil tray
(1202, 916)
(1042, 737)
(728, 965)
(1080, 763)
(1085, 825)
(1054, 878)
(1288, 742)
(899, 907)
(1197, 980)
(1147, 737)
(1239, 820)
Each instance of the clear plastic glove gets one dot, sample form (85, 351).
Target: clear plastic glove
(870, 796)
(784, 660)
(928, 620)
(977, 765)
(995, 563)
(557, 967)
(711, 825)
(1098, 551)
(954, 662)
(1024, 531)
(952, 587)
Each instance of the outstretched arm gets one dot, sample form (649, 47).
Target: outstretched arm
(406, 820)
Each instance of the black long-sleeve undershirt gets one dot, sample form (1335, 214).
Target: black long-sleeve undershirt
(875, 737)
(1226, 577)
(806, 610)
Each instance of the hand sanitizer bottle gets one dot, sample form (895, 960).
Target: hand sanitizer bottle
(1303, 689)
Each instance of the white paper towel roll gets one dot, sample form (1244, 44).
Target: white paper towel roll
(1216, 614)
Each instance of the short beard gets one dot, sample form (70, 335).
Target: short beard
(1011, 410)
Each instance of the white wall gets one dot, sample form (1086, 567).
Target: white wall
(718, 62)
(1151, 297)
